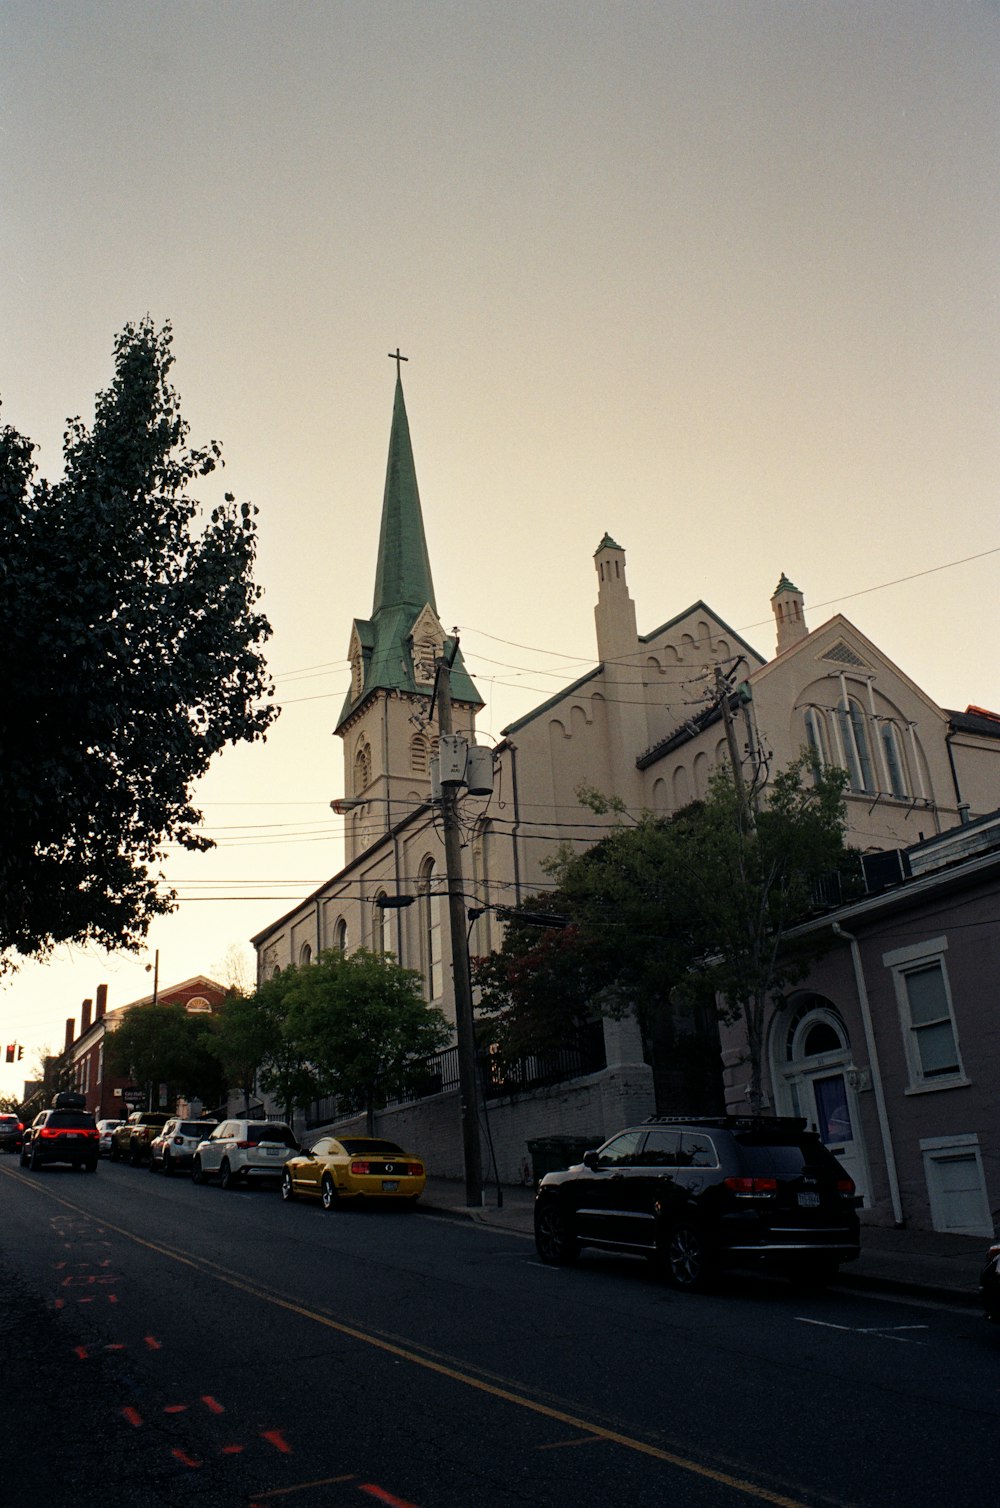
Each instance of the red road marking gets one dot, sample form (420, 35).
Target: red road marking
(175, 1408)
(82, 1351)
(59, 1304)
(184, 1458)
(133, 1416)
(383, 1496)
(276, 1438)
(112, 1298)
(153, 1343)
(211, 1404)
(231, 1450)
(117, 1346)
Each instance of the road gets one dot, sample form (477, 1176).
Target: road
(168, 1344)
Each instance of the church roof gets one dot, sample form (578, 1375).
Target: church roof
(403, 583)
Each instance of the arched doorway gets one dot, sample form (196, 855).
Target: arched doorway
(813, 1074)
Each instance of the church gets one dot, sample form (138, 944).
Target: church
(647, 725)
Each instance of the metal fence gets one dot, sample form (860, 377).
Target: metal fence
(499, 1079)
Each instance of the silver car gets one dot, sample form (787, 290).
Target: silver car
(238, 1151)
(174, 1147)
(106, 1128)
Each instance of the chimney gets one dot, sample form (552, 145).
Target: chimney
(86, 1010)
(102, 1001)
(70, 1025)
(787, 604)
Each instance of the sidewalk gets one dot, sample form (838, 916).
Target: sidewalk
(922, 1264)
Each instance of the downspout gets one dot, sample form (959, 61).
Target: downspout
(319, 927)
(399, 911)
(954, 773)
(883, 1116)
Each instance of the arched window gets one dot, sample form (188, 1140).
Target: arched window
(418, 754)
(305, 955)
(430, 931)
(816, 735)
(854, 737)
(895, 767)
(362, 766)
(340, 935)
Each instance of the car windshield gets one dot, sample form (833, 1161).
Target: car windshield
(269, 1132)
(356, 1146)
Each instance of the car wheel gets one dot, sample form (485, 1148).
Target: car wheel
(168, 1166)
(197, 1174)
(686, 1257)
(287, 1190)
(151, 1164)
(134, 1156)
(114, 1154)
(554, 1241)
(227, 1178)
(328, 1194)
(24, 1157)
(35, 1161)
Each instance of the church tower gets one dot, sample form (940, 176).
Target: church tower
(388, 741)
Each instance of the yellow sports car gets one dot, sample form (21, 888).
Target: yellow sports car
(356, 1168)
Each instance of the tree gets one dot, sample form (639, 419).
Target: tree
(163, 1044)
(245, 1031)
(360, 1021)
(132, 642)
(670, 916)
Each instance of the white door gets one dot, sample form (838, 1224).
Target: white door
(828, 1104)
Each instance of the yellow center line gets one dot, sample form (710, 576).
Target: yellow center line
(441, 1369)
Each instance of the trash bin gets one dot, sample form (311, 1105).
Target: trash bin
(550, 1154)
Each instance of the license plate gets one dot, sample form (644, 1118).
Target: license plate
(72, 1136)
(389, 1186)
(809, 1201)
(272, 1151)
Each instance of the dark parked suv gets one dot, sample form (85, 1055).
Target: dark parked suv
(11, 1133)
(62, 1135)
(697, 1194)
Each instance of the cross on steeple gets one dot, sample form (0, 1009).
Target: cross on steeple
(395, 356)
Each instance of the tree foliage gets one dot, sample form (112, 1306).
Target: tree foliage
(670, 915)
(132, 639)
(164, 1044)
(361, 1023)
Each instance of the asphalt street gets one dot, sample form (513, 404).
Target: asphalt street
(167, 1344)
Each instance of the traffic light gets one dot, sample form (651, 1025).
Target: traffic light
(10, 1051)
(20, 1053)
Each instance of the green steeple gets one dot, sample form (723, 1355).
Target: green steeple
(403, 577)
(403, 585)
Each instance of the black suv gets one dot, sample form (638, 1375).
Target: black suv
(696, 1194)
(64, 1134)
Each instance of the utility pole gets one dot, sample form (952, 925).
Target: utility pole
(468, 1078)
(722, 693)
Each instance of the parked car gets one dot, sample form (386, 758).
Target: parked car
(238, 1151)
(175, 1145)
(698, 1194)
(11, 1133)
(130, 1141)
(356, 1168)
(61, 1136)
(989, 1285)
(105, 1129)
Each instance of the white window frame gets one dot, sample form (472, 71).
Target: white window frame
(939, 1149)
(904, 961)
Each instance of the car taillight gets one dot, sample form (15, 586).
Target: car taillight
(49, 1131)
(360, 1168)
(244, 1144)
(414, 1170)
(751, 1188)
(845, 1188)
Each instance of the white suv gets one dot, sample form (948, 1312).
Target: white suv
(237, 1151)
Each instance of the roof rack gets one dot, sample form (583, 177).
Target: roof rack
(732, 1122)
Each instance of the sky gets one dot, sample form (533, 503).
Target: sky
(718, 277)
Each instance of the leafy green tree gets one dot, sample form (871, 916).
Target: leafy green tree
(163, 1044)
(671, 916)
(361, 1023)
(243, 1032)
(132, 645)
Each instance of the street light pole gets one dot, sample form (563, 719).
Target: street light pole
(468, 1079)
